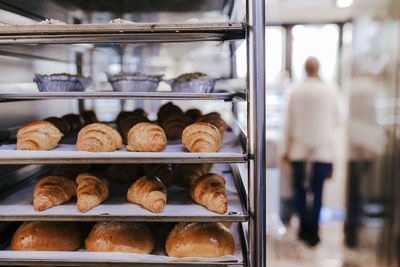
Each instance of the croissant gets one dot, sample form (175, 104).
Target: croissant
(51, 191)
(161, 171)
(209, 190)
(89, 117)
(188, 173)
(149, 192)
(146, 137)
(129, 237)
(193, 113)
(122, 114)
(98, 137)
(175, 124)
(215, 119)
(91, 191)
(38, 135)
(126, 122)
(60, 123)
(207, 240)
(125, 173)
(201, 137)
(167, 110)
(75, 121)
(70, 171)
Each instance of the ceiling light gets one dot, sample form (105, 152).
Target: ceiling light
(344, 3)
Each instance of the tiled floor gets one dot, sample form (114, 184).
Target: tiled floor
(330, 252)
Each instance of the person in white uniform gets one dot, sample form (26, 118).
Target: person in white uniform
(312, 120)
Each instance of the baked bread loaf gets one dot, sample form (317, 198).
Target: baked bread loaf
(98, 137)
(70, 171)
(206, 240)
(47, 236)
(175, 124)
(167, 110)
(38, 135)
(193, 113)
(125, 173)
(91, 191)
(202, 137)
(148, 192)
(51, 191)
(60, 123)
(161, 171)
(215, 119)
(188, 173)
(146, 137)
(129, 237)
(75, 121)
(89, 117)
(209, 190)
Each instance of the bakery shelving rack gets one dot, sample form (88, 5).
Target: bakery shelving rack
(226, 96)
(251, 208)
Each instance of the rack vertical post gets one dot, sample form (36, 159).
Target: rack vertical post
(256, 131)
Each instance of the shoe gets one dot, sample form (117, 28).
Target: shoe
(313, 240)
(303, 234)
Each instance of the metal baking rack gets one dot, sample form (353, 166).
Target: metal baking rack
(82, 257)
(230, 96)
(233, 150)
(124, 33)
(180, 207)
(253, 204)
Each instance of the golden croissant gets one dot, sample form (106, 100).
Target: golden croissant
(70, 171)
(201, 137)
(175, 124)
(146, 137)
(127, 120)
(38, 135)
(52, 191)
(125, 173)
(74, 121)
(91, 191)
(193, 113)
(161, 171)
(149, 192)
(167, 110)
(188, 173)
(215, 119)
(209, 190)
(60, 123)
(98, 137)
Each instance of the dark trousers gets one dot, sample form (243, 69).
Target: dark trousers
(307, 201)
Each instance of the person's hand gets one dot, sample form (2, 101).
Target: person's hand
(285, 157)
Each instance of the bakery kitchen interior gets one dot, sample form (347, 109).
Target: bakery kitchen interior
(200, 133)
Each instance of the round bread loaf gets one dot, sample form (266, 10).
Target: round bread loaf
(47, 236)
(120, 237)
(207, 240)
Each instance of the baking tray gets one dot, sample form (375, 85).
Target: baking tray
(231, 151)
(227, 96)
(82, 257)
(121, 33)
(180, 207)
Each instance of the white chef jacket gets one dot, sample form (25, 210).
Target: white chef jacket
(312, 122)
